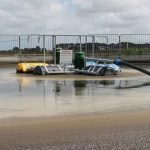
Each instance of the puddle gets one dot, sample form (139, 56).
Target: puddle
(30, 96)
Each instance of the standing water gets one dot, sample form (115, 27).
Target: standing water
(36, 96)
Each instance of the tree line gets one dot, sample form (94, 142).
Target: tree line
(98, 47)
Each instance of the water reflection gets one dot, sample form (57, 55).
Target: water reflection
(26, 96)
(80, 87)
(107, 82)
(73, 87)
(63, 88)
(128, 84)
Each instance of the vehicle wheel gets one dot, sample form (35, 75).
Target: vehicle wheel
(113, 72)
(19, 71)
(37, 70)
(102, 71)
(76, 73)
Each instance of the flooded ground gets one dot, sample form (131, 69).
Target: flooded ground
(36, 96)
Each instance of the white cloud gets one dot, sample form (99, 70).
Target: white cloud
(97, 6)
(74, 16)
(115, 15)
(55, 8)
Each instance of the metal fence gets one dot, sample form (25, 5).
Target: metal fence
(41, 48)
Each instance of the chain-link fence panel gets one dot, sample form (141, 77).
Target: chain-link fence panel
(135, 44)
(9, 45)
(31, 48)
(42, 48)
(9, 48)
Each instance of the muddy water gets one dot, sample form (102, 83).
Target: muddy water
(36, 96)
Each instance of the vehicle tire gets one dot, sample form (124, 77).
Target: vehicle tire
(76, 73)
(18, 71)
(113, 72)
(102, 71)
(39, 70)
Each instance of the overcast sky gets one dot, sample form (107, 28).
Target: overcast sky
(74, 16)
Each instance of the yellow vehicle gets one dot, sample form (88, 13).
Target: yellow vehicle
(28, 67)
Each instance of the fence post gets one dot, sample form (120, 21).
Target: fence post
(44, 48)
(86, 45)
(93, 46)
(19, 48)
(119, 45)
(80, 43)
(54, 48)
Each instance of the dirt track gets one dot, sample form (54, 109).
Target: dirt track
(129, 130)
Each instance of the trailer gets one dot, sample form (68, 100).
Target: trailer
(94, 67)
(53, 69)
